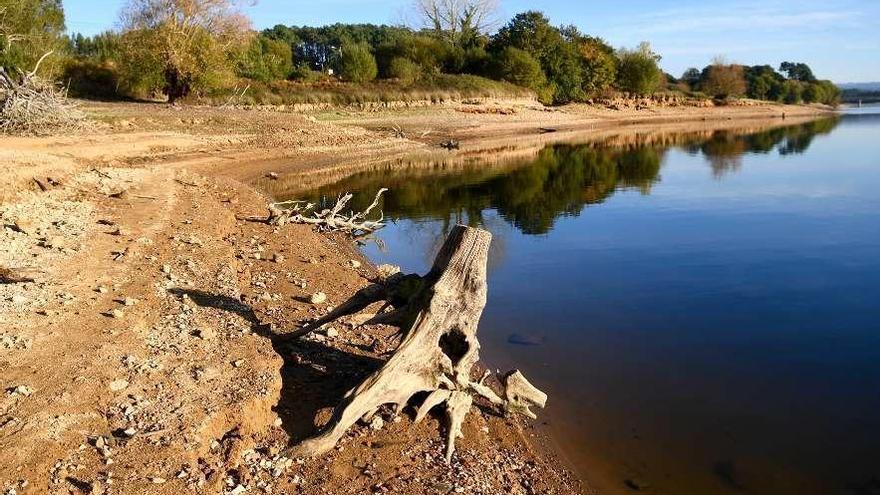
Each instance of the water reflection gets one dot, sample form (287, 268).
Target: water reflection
(562, 179)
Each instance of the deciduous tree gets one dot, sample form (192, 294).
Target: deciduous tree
(637, 70)
(181, 46)
(724, 80)
(457, 21)
(28, 30)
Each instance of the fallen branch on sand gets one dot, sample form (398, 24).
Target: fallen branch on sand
(438, 351)
(30, 105)
(328, 220)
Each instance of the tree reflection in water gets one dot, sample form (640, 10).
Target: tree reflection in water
(561, 180)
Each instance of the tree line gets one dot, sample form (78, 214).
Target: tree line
(794, 82)
(179, 48)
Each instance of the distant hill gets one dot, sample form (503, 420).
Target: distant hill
(860, 92)
(865, 86)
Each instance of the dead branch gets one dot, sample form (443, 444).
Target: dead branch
(438, 352)
(327, 220)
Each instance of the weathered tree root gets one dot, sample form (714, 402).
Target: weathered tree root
(437, 353)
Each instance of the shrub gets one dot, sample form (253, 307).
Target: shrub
(404, 70)
(637, 71)
(91, 78)
(725, 80)
(180, 46)
(518, 67)
(356, 63)
(265, 60)
(304, 73)
(792, 92)
(600, 67)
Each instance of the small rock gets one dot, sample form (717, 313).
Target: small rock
(129, 301)
(156, 480)
(117, 313)
(238, 490)
(102, 289)
(118, 385)
(25, 226)
(18, 299)
(207, 333)
(237, 363)
(332, 333)
(377, 422)
(636, 484)
(272, 175)
(278, 258)
(355, 264)
(319, 298)
(166, 269)
(386, 270)
(21, 390)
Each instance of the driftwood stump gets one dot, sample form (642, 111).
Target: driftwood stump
(437, 353)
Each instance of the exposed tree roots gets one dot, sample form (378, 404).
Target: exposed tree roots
(439, 314)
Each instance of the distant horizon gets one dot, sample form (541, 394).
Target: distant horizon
(838, 43)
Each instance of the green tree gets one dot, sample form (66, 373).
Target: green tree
(825, 92)
(797, 71)
(692, 78)
(356, 63)
(637, 70)
(404, 70)
(266, 60)
(180, 46)
(518, 67)
(28, 30)
(599, 66)
(792, 92)
(559, 58)
(763, 83)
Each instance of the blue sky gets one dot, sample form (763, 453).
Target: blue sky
(840, 39)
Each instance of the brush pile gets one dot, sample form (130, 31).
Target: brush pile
(32, 106)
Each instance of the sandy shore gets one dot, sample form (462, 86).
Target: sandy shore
(148, 356)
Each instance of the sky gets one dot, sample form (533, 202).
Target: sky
(839, 39)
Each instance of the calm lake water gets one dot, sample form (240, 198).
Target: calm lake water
(703, 309)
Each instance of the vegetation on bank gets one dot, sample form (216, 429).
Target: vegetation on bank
(206, 49)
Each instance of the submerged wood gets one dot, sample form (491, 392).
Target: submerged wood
(438, 352)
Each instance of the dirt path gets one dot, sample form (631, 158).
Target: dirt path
(148, 356)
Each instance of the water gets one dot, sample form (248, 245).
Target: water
(702, 308)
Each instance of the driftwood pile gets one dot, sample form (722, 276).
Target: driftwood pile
(30, 105)
(438, 315)
(332, 219)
